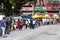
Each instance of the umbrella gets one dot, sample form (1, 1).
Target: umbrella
(47, 16)
(37, 16)
(55, 16)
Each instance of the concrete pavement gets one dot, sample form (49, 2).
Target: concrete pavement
(47, 32)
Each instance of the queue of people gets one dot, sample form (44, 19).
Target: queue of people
(7, 24)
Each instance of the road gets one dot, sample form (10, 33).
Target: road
(46, 32)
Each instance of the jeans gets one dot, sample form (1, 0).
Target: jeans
(3, 31)
(7, 30)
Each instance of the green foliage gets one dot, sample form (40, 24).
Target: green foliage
(16, 3)
(12, 2)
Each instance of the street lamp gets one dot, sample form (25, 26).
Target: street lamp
(13, 10)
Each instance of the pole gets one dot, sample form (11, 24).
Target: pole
(13, 11)
(33, 8)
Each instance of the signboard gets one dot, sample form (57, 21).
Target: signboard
(49, 9)
(56, 9)
(27, 9)
(40, 8)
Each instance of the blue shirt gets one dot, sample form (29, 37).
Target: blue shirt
(8, 22)
(2, 23)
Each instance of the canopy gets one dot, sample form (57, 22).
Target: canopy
(55, 16)
(47, 16)
(37, 16)
(27, 16)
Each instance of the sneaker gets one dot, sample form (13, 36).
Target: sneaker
(4, 36)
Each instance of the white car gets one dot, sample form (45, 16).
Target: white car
(16, 18)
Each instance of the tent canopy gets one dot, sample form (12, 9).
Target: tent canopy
(55, 16)
(47, 16)
(27, 16)
(37, 16)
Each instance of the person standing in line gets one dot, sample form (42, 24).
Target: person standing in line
(7, 25)
(34, 23)
(12, 25)
(19, 26)
(38, 22)
(10, 19)
(0, 29)
(31, 24)
(3, 27)
(27, 23)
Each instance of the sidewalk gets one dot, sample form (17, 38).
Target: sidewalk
(13, 35)
(21, 34)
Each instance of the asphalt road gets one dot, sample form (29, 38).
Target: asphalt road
(46, 32)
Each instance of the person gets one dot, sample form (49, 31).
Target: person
(3, 27)
(47, 21)
(15, 25)
(12, 25)
(38, 22)
(7, 26)
(23, 22)
(44, 21)
(19, 24)
(31, 24)
(27, 23)
(34, 23)
(0, 29)
(10, 19)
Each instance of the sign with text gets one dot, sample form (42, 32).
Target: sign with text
(27, 9)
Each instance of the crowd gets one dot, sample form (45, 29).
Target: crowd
(8, 24)
(5, 26)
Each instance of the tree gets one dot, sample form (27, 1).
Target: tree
(16, 3)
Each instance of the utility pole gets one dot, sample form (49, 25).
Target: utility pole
(33, 6)
(13, 10)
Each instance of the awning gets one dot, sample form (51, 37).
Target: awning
(55, 16)
(49, 9)
(27, 9)
(27, 16)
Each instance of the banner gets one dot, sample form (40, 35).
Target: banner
(49, 9)
(40, 8)
(27, 9)
(56, 9)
